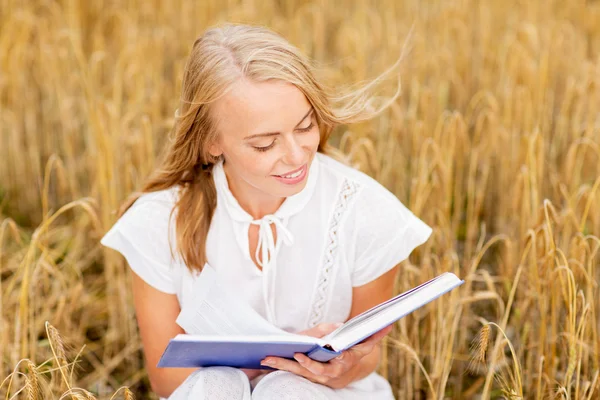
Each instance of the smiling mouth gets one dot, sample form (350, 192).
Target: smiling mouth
(293, 174)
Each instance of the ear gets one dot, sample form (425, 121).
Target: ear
(215, 150)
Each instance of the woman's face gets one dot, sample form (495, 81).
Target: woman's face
(268, 136)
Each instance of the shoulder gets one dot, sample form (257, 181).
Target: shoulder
(159, 200)
(152, 208)
(362, 188)
(144, 235)
(379, 231)
(149, 222)
(332, 169)
(374, 213)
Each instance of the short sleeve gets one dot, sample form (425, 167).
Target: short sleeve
(385, 233)
(141, 235)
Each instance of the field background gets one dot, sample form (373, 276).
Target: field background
(494, 142)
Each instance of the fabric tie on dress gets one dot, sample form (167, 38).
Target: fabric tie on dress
(266, 248)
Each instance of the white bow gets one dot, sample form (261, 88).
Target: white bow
(266, 247)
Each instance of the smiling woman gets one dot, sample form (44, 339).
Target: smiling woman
(268, 137)
(249, 187)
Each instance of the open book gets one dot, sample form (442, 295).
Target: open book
(215, 337)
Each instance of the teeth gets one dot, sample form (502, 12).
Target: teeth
(294, 175)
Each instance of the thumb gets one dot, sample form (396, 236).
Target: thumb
(321, 329)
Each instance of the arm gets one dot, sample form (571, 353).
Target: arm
(363, 298)
(358, 361)
(156, 313)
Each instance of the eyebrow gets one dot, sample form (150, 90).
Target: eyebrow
(277, 133)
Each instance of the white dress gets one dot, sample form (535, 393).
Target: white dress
(344, 229)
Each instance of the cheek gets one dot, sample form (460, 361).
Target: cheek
(312, 140)
(254, 164)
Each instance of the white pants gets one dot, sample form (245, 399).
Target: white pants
(225, 383)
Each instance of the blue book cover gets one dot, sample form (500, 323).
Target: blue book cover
(247, 350)
(240, 352)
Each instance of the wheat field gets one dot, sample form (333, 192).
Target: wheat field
(494, 142)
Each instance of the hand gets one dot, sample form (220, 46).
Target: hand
(321, 330)
(317, 331)
(335, 373)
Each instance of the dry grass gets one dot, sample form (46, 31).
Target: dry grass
(494, 142)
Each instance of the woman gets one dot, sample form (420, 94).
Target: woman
(247, 187)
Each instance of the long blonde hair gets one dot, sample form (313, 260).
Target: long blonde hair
(218, 58)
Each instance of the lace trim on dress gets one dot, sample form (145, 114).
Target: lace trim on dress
(347, 193)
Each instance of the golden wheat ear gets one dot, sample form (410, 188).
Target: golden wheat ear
(58, 350)
(479, 348)
(129, 394)
(32, 382)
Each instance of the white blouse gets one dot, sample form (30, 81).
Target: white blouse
(343, 230)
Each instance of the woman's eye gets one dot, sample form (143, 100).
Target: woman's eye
(264, 148)
(308, 128)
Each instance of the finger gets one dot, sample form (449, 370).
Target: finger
(332, 370)
(294, 367)
(367, 346)
(321, 329)
(347, 359)
(278, 363)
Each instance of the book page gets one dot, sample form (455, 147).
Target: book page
(217, 310)
(382, 315)
(250, 339)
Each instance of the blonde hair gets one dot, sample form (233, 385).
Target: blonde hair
(220, 57)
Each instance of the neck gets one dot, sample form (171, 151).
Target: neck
(253, 201)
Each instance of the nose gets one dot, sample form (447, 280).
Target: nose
(294, 153)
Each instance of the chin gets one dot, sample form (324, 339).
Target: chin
(283, 190)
